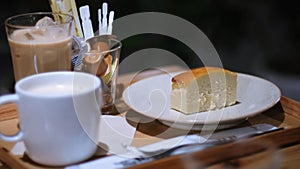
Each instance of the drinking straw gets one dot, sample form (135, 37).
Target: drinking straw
(110, 21)
(104, 19)
(86, 22)
(99, 21)
(104, 11)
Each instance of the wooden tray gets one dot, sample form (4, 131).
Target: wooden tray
(286, 114)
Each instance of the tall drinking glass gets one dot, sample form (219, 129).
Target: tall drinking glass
(39, 42)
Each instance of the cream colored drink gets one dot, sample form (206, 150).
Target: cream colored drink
(39, 42)
(38, 50)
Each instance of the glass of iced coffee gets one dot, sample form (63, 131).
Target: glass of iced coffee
(39, 42)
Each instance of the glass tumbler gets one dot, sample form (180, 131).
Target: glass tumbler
(100, 56)
(39, 42)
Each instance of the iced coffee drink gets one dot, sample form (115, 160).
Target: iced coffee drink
(43, 47)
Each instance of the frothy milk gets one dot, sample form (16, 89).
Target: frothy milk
(57, 89)
(38, 50)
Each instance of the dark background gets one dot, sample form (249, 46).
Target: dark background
(256, 37)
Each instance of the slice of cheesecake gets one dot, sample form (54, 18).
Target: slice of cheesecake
(203, 89)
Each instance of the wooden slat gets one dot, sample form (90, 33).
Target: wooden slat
(221, 154)
(8, 111)
(290, 157)
(10, 160)
(291, 106)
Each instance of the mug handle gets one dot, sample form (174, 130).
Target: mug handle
(19, 135)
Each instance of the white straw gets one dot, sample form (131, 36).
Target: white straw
(110, 21)
(104, 19)
(99, 21)
(86, 22)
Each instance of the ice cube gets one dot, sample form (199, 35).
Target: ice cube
(38, 31)
(46, 21)
(28, 36)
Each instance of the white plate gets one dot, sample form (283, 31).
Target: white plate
(151, 97)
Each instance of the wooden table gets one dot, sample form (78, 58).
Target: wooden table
(286, 114)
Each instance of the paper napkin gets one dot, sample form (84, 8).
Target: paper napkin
(114, 131)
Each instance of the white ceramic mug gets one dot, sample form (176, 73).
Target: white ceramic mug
(58, 115)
